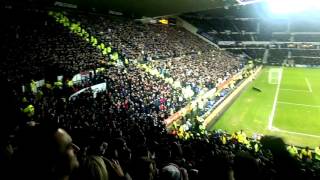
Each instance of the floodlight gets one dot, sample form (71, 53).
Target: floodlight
(245, 2)
(292, 6)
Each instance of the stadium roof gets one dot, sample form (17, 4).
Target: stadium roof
(151, 8)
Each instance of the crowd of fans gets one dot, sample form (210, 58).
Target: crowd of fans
(143, 41)
(120, 132)
(37, 49)
(196, 70)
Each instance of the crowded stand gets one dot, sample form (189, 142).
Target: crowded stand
(137, 40)
(196, 70)
(190, 50)
(34, 49)
(52, 131)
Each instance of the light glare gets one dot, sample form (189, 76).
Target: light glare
(292, 6)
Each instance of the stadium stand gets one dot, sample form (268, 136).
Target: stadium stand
(120, 131)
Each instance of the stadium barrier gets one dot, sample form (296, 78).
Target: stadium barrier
(187, 109)
(228, 100)
(217, 91)
(204, 95)
(95, 89)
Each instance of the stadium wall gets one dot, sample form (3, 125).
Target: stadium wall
(220, 109)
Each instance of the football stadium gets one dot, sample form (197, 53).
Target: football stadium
(286, 106)
(160, 90)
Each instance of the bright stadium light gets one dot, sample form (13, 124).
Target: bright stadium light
(245, 2)
(292, 6)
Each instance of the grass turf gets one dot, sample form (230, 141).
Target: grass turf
(297, 108)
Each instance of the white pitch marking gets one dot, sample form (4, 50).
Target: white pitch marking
(308, 84)
(296, 104)
(295, 90)
(296, 133)
(275, 102)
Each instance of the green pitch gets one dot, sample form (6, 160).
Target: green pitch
(288, 106)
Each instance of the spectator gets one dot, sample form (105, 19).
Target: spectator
(245, 167)
(56, 161)
(173, 172)
(92, 168)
